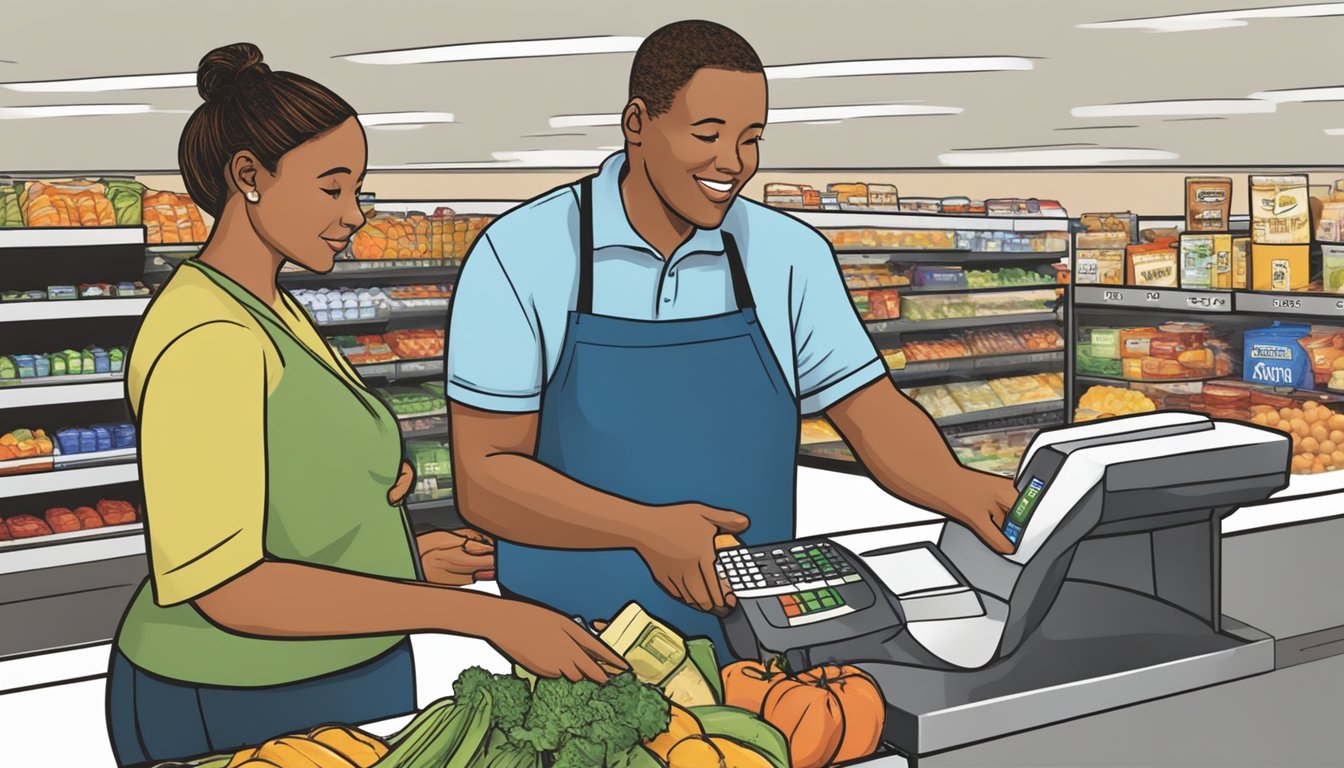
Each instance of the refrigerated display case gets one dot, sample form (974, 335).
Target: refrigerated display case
(968, 313)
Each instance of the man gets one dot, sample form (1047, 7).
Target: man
(628, 358)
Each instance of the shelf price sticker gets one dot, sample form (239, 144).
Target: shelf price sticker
(1313, 306)
(1202, 301)
(1206, 301)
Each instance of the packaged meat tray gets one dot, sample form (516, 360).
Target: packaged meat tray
(938, 401)
(416, 344)
(994, 342)
(1020, 390)
(935, 349)
(974, 396)
(884, 304)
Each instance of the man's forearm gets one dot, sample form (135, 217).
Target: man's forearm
(898, 443)
(519, 499)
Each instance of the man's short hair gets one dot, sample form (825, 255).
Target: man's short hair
(668, 59)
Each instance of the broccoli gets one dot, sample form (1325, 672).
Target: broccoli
(509, 694)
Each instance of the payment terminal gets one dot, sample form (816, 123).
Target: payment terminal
(1111, 594)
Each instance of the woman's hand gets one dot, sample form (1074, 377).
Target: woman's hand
(456, 558)
(548, 644)
(402, 488)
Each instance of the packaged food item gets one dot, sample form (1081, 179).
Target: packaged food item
(1330, 224)
(1159, 235)
(1273, 356)
(1162, 368)
(883, 196)
(1135, 342)
(788, 195)
(1153, 265)
(1100, 402)
(818, 431)
(1221, 276)
(61, 293)
(921, 205)
(126, 196)
(1332, 267)
(994, 342)
(67, 203)
(851, 194)
(116, 359)
(1105, 240)
(88, 518)
(27, 527)
(1208, 204)
(1280, 267)
(1106, 343)
(1018, 390)
(1132, 368)
(61, 520)
(938, 401)
(894, 358)
(1197, 260)
(939, 277)
(1280, 211)
(959, 205)
(1087, 363)
(116, 512)
(26, 366)
(973, 396)
(11, 211)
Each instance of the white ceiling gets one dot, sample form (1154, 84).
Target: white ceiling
(501, 108)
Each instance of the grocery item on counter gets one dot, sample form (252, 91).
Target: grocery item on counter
(1197, 261)
(172, 218)
(1101, 401)
(938, 401)
(1153, 265)
(66, 203)
(660, 657)
(818, 431)
(1208, 204)
(1273, 356)
(1280, 267)
(1100, 267)
(1332, 267)
(973, 396)
(1019, 390)
(1280, 211)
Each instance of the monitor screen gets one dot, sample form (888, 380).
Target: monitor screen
(1022, 509)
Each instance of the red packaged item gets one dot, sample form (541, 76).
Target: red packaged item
(62, 520)
(88, 518)
(116, 512)
(27, 526)
(4, 531)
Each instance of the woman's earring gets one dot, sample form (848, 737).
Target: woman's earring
(252, 196)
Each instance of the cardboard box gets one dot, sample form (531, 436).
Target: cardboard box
(1241, 262)
(1280, 267)
(1153, 265)
(1280, 210)
(1208, 204)
(1097, 267)
(1222, 262)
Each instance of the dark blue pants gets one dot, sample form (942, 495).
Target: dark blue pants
(151, 719)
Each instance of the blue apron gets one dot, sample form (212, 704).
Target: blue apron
(660, 412)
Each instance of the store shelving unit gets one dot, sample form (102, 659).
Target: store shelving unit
(975, 233)
(1232, 313)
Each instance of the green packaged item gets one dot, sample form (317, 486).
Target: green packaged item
(74, 362)
(127, 199)
(57, 363)
(115, 358)
(11, 211)
(89, 361)
(1106, 343)
(1090, 365)
(1332, 268)
(8, 368)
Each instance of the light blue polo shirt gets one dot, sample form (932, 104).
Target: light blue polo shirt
(520, 282)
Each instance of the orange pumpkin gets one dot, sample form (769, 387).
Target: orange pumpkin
(828, 714)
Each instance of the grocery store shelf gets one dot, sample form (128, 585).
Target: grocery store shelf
(970, 258)
(58, 390)
(1116, 380)
(430, 414)
(911, 290)
(70, 237)
(68, 479)
(1033, 361)
(381, 272)
(401, 369)
(63, 549)
(1130, 297)
(957, 323)
(995, 414)
(94, 458)
(905, 220)
(460, 207)
(71, 309)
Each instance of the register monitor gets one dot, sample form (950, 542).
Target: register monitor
(1115, 576)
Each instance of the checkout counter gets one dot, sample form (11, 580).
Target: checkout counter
(1104, 640)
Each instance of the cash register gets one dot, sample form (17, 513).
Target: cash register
(1111, 596)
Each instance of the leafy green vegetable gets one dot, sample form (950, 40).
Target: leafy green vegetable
(509, 695)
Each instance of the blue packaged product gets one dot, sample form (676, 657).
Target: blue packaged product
(939, 277)
(27, 369)
(1273, 356)
(103, 438)
(123, 436)
(41, 365)
(68, 440)
(88, 441)
(101, 362)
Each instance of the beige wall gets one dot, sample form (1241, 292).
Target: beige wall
(1149, 193)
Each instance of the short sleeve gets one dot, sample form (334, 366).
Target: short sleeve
(203, 460)
(834, 355)
(494, 349)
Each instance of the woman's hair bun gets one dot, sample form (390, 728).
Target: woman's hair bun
(229, 67)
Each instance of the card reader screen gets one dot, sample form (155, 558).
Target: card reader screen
(1026, 504)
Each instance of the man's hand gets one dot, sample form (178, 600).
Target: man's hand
(402, 488)
(981, 502)
(679, 550)
(456, 558)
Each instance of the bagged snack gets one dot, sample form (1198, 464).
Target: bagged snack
(1280, 211)
(1273, 356)
(1124, 222)
(1153, 265)
(1208, 204)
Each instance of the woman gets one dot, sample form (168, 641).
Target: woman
(283, 575)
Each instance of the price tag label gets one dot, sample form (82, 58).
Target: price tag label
(421, 367)
(379, 371)
(1152, 298)
(1307, 306)
(1207, 301)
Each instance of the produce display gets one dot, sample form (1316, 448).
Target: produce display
(416, 344)
(343, 305)
(1317, 433)
(441, 235)
(1009, 276)
(25, 444)
(32, 369)
(991, 241)
(873, 275)
(83, 291)
(412, 401)
(72, 203)
(1174, 350)
(172, 218)
(1007, 340)
(828, 715)
(106, 513)
(1100, 402)
(877, 305)
(365, 350)
(949, 306)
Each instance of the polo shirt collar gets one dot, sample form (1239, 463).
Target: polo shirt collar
(611, 227)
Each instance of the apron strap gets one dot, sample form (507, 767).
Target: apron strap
(741, 289)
